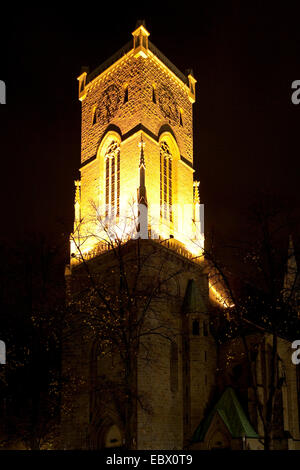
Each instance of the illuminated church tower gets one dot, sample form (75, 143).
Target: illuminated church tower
(137, 180)
(138, 96)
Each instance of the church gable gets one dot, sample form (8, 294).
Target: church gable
(227, 412)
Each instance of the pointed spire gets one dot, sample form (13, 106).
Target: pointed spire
(142, 229)
(142, 156)
(193, 301)
(142, 195)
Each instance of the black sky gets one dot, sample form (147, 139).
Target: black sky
(245, 55)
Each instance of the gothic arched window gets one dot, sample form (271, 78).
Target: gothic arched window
(112, 180)
(166, 194)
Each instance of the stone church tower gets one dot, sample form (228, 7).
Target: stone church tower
(137, 254)
(138, 95)
(137, 147)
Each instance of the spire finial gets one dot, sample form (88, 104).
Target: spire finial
(142, 196)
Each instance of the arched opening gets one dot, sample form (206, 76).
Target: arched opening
(105, 432)
(110, 167)
(169, 154)
(219, 441)
(112, 180)
(166, 182)
(113, 437)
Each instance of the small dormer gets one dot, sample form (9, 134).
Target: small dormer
(82, 81)
(140, 39)
(192, 86)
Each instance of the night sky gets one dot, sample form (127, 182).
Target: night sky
(244, 55)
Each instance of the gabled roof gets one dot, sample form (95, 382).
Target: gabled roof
(128, 47)
(231, 412)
